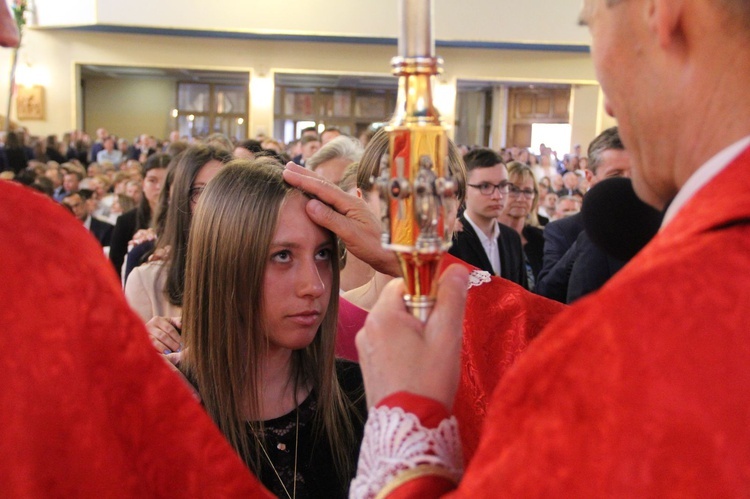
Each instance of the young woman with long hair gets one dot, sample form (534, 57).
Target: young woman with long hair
(259, 323)
(142, 216)
(156, 288)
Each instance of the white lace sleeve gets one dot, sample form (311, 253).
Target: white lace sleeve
(395, 442)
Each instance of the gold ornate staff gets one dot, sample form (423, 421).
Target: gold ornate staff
(414, 188)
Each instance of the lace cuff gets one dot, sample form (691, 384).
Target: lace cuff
(478, 277)
(396, 442)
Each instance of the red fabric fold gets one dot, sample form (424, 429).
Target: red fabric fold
(89, 407)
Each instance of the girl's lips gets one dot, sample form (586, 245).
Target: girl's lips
(307, 318)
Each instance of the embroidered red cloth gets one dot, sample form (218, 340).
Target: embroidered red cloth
(501, 319)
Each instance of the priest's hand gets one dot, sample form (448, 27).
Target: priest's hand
(347, 216)
(399, 353)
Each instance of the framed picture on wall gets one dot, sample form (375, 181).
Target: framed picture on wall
(30, 102)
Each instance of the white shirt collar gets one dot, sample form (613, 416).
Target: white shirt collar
(703, 176)
(489, 244)
(87, 223)
(482, 236)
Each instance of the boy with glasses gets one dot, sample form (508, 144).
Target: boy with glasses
(484, 242)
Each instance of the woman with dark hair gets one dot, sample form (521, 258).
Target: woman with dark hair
(15, 156)
(53, 150)
(156, 288)
(142, 251)
(142, 216)
(259, 324)
(66, 148)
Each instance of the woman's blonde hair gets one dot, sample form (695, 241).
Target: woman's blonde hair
(232, 230)
(520, 171)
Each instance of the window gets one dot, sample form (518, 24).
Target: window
(556, 136)
(206, 108)
(351, 104)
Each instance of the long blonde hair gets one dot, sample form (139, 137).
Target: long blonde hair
(232, 229)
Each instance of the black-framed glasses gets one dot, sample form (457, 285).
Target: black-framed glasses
(515, 192)
(486, 188)
(195, 193)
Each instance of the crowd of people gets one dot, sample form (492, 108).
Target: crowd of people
(230, 359)
(106, 178)
(181, 277)
(178, 239)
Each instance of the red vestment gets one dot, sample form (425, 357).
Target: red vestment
(501, 318)
(639, 390)
(89, 409)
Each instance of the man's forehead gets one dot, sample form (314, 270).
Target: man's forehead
(489, 172)
(614, 158)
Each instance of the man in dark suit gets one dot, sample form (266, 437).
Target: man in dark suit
(101, 230)
(484, 242)
(607, 158)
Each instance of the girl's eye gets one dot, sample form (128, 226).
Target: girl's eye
(323, 255)
(281, 256)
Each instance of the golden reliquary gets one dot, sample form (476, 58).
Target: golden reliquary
(415, 189)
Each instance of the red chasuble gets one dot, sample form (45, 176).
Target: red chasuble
(89, 409)
(641, 389)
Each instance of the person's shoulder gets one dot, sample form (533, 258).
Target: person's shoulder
(149, 270)
(467, 230)
(508, 234)
(530, 232)
(100, 222)
(128, 215)
(127, 219)
(565, 224)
